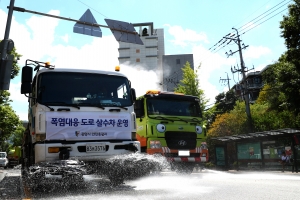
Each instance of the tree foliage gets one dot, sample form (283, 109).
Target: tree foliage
(9, 121)
(233, 122)
(190, 85)
(225, 102)
(15, 68)
(290, 26)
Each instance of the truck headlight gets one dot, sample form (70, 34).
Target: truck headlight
(198, 129)
(155, 144)
(160, 128)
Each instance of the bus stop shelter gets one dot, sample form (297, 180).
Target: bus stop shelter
(259, 150)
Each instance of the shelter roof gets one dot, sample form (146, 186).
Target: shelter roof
(258, 135)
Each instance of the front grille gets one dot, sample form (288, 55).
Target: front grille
(181, 140)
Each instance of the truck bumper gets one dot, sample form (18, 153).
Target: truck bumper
(196, 155)
(78, 150)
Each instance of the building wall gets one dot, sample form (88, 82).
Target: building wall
(148, 55)
(151, 56)
(172, 69)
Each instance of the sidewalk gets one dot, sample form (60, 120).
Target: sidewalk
(2, 174)
(265, 172)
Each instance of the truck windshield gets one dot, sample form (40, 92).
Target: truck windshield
(173, 107)
(2, 155)
(82, 89)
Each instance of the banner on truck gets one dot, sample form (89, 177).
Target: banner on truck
(87, 126)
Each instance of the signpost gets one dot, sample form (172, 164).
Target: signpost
(87, 25)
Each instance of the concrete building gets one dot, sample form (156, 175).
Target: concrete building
(172, 72)
(151, 56)
(254, 85)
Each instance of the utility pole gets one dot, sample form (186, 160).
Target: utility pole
(6, 46)
(87, 25)
(227, 79)
(237, 40)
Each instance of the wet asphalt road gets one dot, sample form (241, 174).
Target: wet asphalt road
(207, 184)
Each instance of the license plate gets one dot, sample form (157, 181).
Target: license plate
(95, 147)
(183, 153)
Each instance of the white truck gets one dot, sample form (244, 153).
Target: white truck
(78, 119)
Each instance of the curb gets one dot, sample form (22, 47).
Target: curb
(2, 175)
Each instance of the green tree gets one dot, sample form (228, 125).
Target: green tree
(287, 69)
(233, 122)
(290, 26)
(4, 97)
(15, 68)
(190, 85)
(9, 121)
(17, 137)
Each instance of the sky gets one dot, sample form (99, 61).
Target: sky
(190, 27)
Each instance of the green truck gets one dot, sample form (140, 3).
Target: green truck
(14, 156)
(170, 124)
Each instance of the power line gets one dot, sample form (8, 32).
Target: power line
(245, 27)
(256, 18)
(263, 13)
(216, 49)
(265, 21)
(253, 13)
(92, 8)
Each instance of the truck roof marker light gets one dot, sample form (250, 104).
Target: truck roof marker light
(153, 92)
(178, 93)
(117, 68)
(48, 65)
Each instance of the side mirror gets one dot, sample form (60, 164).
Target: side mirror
(139, 108)
(132, 94)
(26, 80)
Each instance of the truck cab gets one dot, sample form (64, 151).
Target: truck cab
(171, 124)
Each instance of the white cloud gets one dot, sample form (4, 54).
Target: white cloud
(15, 94)
(256, 52)
(211, 64)
(183, 37)
(37, 42)
(65, 38)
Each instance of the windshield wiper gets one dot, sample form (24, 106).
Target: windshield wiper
(160, 117)
(181, 119)
(92, 105)
(196, 120)
(51, 109)
(61, 103)
(120, 107)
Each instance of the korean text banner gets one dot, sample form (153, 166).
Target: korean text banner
(87, 126)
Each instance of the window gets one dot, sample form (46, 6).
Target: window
(177, 61)
(137, 51)
(137, 60)
(162, 106)
(82, 89)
